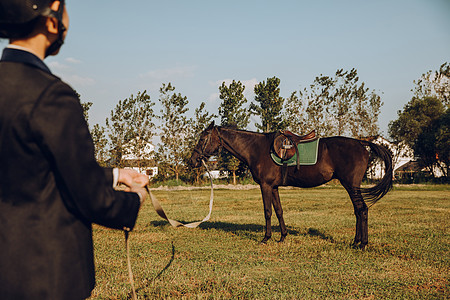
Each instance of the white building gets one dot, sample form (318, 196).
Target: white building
(138, 155)
(401, 155)
(402, 158)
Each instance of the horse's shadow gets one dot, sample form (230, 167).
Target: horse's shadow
(252, 231)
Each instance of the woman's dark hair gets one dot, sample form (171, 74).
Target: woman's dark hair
(13, 31)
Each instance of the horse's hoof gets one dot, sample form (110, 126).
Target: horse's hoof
(283, 237)
(359, 246)
(264, 240)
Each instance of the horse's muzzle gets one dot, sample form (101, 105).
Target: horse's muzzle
(195, 161)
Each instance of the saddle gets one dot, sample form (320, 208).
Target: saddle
(285, 146)
(285, 143)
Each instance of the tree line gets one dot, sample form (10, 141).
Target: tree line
(339, 104)
(424, 123)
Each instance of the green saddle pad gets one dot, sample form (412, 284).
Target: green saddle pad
(307, 152)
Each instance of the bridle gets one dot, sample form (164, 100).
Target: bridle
(201, 152)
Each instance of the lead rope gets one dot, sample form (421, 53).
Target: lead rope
(174, 223)
(130, 272)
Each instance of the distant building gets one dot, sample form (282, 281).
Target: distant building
(401, 155)
(139, 155)
(404, 163)
(213, 166)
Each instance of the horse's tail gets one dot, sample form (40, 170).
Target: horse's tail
(373, 194)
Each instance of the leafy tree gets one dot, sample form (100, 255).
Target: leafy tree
(201, 120)
(366, 108)
(86, 106)
(232, 113)
(231, 110)
(295, 116)
(337, 95)
(435, 84)
(100, 144)
(174, 128)
(270, 105)
(97, 134)
(417, 125)
(417, 114)
(338, 105)
(316, 111)
(430, 85)
(131, 120)
(442, 142)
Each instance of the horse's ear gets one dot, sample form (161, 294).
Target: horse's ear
(211, 126)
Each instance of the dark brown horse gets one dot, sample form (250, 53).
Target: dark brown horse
(341, 158)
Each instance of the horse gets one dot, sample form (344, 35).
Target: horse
(342, 158)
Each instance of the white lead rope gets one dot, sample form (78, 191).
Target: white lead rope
(174, 223)
(130, 272)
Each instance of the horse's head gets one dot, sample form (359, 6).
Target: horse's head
(207, 145)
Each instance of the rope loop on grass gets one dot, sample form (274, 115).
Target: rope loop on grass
(160, 211)
(172, 222)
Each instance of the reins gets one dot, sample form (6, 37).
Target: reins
(160, 211)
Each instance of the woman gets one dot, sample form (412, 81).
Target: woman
(51, 187)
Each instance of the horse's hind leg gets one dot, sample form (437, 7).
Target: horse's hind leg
(279, 213)
(361, 212)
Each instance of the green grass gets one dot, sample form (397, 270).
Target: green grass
(407, 256)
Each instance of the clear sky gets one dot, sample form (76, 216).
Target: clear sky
(117, 48)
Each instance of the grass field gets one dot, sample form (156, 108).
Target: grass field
(407, 256)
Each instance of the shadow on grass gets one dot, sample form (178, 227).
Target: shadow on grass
(250, 231)
(320, 234)
(243, 230)
(157, 276)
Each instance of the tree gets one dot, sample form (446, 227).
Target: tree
(366, 108)
(174, 129)
(97, 134)
(442, 142)
(429, 133)
(86, 106)
(338, 105)
(201, 120)
(231, 110)
(131, 119)
(435, 84)
(100, 143)
(316, 111)
(270, 105)
(417, 126)
(337, 95)
(232, 113)
(295, 116)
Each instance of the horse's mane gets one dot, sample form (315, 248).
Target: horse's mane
(234, 127)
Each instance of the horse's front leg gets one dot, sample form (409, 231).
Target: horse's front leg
(266, 192)
(279, 213)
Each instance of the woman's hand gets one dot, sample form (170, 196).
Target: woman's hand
(134, 181)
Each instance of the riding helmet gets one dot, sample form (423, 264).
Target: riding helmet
(22, 11)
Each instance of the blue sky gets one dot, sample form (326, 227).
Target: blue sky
(117, 48)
